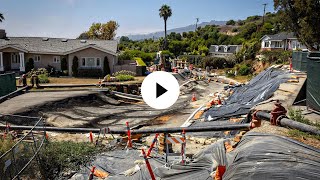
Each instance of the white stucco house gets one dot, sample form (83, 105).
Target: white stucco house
(91, 54)
(283, 40)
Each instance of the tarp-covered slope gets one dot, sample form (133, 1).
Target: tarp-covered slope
(259, 89)
(257, 156)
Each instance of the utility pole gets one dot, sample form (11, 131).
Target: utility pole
(264, 12)
(197, 20)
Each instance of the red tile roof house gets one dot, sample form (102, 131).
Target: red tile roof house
(14, 52)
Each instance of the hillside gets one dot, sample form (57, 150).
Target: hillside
(159, 34)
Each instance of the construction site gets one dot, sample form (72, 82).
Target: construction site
(217, 129)
(160, 90)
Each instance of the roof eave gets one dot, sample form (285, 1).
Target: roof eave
(14, 47)
(91, 46)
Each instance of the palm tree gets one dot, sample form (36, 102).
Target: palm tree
(165, 12)
(1, 17)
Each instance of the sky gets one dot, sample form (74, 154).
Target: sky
(69, 18)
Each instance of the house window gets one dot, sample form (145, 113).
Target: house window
(91, 62)
(37, 58)
(56, 59)
(278, 44)
(266, 44)
(15, 58)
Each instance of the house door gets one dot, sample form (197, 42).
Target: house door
(15, 61)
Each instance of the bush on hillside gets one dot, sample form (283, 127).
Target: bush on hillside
(216, 62)
(244, 70)
(131, 54)
(280, 56)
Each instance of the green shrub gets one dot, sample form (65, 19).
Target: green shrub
(297, 116)
(66, 155)
(229, 73)
(75, 66)
(277, 56)
(124, 77)
(130, 54)
(64, 64)
(37, 72)
(244, 70)
(6, 144)
(43, 78)
(124, 72)
(90, 73)
(29, 65)
(106, 68)
(215, 62)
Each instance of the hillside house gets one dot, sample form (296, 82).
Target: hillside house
(223, 51)
(285, 41)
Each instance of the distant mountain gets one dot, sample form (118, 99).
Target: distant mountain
(159, 34)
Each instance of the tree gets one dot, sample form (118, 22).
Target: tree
(83, 35)
(231, 22)
(165, 12)
(303, 18)
(102, 31)
(29, 65)
(1, 17)
(106, 67)
(75, 65)
(124, 39)
(64, 64)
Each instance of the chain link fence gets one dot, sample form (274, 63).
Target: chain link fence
(22, 160)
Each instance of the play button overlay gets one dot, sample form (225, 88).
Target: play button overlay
(160, 90)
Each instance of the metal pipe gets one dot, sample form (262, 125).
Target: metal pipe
(245, 126)
(290, 123)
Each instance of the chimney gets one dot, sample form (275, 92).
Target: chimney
(2, 34)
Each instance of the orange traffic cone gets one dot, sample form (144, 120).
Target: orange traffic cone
(194, 97)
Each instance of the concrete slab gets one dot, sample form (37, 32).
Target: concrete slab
(286, 94)
(28, 101)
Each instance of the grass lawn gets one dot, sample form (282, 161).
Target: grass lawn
(72, 80)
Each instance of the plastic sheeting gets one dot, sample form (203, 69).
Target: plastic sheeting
(244, 98)
(265, 156)
(257, 156)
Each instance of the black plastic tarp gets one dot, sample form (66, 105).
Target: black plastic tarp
(259, 89)
(257, 156)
